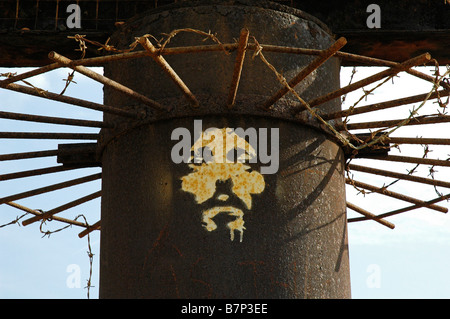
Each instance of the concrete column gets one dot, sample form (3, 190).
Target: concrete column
(217, 229)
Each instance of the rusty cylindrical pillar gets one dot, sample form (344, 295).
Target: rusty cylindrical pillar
(172, 229)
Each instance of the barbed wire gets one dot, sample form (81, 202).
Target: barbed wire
(375, 141)
(14, 221)
(375, 138)
(354, 71)
(47, 233)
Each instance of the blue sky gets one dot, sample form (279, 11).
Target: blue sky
(32, 266)
(410, 261)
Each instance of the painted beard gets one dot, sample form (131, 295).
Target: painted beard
(243, 184)
(235, 225)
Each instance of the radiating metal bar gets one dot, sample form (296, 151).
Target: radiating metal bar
(53, 120)
(369, 215)
(238, 64)
(90, 229)
(29, 74)
(418, 140)
(394, 195)
(403, 210)
(322, 58)
(51, 136)
(37, 154)
(50, 188)
(36, 172)
(50, 213)
(73, 101)
(106, 81)
(385, 105)
(198, 49)
(371, 79)
(99, 60)
(408, 159)
(27, 155)
(37, 213)
(407, 177)
(153, 52)
(420, 120)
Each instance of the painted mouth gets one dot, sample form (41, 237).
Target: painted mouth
(236, 224)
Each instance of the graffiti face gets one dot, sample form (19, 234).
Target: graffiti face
(218, 146)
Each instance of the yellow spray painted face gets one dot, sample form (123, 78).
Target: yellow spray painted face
(202, 180)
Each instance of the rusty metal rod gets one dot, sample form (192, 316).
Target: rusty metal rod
(153, 52)
(198, 49)
(418, 140)
(46, 135)
(421, 59)
(29, 74)
(100, 60)
(420, 120)
(403, 210)
(393, 194)
(73, 101)
(369, 215)
(106, 81)
(89, 229)
(316, 63)
(408, 159)
(37, 213)
(36, 172)
(36, 154)
(50, 188)
(53, 120)
(238, 64)
(50, 213)
(384, 105)
(407, 177)
(27, 155)
(284, 49)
